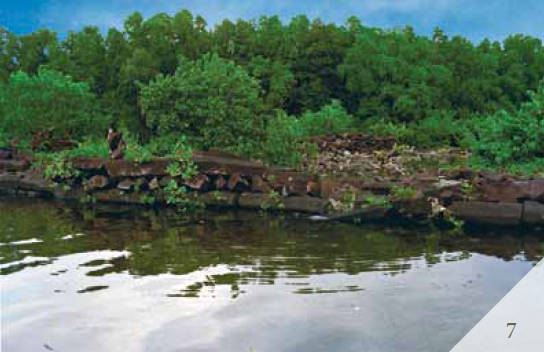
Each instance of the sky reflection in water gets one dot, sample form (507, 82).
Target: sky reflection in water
(137, 281)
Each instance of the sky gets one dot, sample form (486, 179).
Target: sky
(474, 19)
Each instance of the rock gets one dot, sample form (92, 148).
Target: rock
(212, 163)
(533, 213)
(218, 198)
(417, 207)
(96, 182)
(165, 181)
(5, 154)
(126, 185)
(505, 191)
(88, 164)
(536, 190)
(259, 185)
(220, 183)
(154, 184)
(124, 168)
(304, 204)
(488, 213)
(289, 182)
(509, 190)
(28, 181)
(313, 188)
(116, 196)
(198, 182)
(237, 183)
(12, 165)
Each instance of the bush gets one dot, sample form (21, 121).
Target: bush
(331, 119)
(283, 143)
(211, 99)
(440, 129)
(49, 101)
(507, 138)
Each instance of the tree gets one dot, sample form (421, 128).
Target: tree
(212, 100)
(50, 101)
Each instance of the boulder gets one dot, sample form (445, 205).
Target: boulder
(220, 183)
(289, 182)
(237, 183)
(198, 182)
(488, 213)
(259, 185)
(154, 184)
(12, 165)
(126, 185)
(96, 182)
(533, 213)
(88, 164)
(165, 181)
(124, 168)
(304, 204)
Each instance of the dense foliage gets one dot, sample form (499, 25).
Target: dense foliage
(49, 101)
(262, 86)
(505, 138)
(211, 99)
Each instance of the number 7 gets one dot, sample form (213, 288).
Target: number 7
(513, 327)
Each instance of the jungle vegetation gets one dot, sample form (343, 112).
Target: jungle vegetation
(261, 87)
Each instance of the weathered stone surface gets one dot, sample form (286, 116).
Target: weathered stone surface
(5, 154)
(331, 186)
(220, 183)
(124, 168)
(88, 164)
(27, 181)
(199, 182)
(508, 190)
(259, 185)
(304, 204)
(370, 213)
(533, 213)
(154, 184)
(165, 181)
(289, 182)
(13, 165)
(418, 207)
(488, 213)
(210, 163)
(237, 183)
(218, 198)
(126, 185)
(116, 196)
(96, 182)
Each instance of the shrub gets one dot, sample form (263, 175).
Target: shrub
(211, 99)
(49, 101)
(283, 144)
(91, 147)
(505, 138)
(331, 119)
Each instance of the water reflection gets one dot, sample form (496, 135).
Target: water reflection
(238, 272)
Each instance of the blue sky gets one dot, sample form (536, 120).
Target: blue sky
(474, 19)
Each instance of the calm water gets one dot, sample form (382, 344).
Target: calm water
(120, 280)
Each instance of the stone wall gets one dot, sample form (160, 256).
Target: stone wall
(228, 181)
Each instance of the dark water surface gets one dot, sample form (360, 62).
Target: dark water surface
(126, 280)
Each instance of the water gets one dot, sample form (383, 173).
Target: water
(131, 280)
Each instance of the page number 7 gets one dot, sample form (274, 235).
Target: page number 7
(513, 325)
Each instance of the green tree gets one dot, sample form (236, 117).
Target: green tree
(49, 101)
(211, 99)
